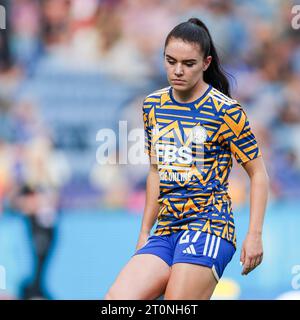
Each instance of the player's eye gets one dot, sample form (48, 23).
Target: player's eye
(189, 64)
(171, 62)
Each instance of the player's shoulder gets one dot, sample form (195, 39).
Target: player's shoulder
(155, 96)
(225, 103)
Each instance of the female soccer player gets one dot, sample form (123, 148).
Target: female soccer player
(192, 129)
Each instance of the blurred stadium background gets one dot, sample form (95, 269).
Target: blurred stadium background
(69, 68)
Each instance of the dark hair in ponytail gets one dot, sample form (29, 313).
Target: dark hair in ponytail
(194, 30)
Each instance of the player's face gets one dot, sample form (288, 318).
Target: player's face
(184, 64)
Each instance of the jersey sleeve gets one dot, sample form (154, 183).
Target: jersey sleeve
(237, 134)
(148, 149)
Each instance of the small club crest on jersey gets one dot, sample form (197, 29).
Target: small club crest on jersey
(199, 134)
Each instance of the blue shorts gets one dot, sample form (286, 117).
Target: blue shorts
(188, 246)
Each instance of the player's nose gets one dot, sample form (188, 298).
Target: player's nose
(178, 70)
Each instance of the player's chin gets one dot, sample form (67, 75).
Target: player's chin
(181, 87)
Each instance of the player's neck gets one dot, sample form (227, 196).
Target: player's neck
(191, 95)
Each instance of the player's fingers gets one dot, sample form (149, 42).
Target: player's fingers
(247, 266)
(242, 258)
(258, 260)
(254, 262)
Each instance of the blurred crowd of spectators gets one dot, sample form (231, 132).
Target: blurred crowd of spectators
(124, 39)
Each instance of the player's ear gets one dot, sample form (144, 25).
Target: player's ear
(206, 62)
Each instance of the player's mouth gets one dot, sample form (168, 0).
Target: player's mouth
(178, 81)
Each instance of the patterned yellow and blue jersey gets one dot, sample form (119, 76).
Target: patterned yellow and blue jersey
(193, 144)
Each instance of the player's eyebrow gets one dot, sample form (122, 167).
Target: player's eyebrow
(188, 60)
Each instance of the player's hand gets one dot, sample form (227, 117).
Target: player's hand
(252, 252)
(143, 237)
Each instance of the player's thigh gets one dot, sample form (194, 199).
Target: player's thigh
(190, 282)
(145, 277)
